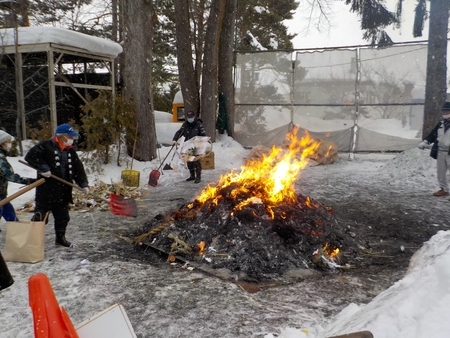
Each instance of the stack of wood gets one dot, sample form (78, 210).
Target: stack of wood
(89, 202)
(85, 202)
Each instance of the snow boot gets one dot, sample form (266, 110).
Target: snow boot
(198, 177)
(61, 239)
(192, 177)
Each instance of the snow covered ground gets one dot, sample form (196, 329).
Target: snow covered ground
(163, 300)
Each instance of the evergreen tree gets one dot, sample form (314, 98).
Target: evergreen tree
(263, 21)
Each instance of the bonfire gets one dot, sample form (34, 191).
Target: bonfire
(253, 223)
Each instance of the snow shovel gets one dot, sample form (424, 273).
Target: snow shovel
(167, 166)
(118, 205)
(21, 191)
(155, 174)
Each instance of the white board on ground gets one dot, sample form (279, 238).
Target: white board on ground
(112, 322)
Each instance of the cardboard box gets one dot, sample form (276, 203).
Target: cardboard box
(207, 161)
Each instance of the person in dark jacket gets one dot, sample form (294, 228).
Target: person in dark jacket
(58, 157)
(7, 174)
(192, 127)
(440, 137)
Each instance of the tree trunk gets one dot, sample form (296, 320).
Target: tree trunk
(226, 52)
(209, 89)
(436, 88)
(137, 73)
(188, 83)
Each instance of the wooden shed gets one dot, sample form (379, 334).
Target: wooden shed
(48, 71)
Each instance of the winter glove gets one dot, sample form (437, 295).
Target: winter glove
(424, 144)
(175, 143)
(46, 174)
(86, 190)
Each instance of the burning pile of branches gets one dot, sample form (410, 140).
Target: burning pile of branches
(253, 223)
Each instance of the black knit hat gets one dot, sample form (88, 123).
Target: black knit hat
(446, 106)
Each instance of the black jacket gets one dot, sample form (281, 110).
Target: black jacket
(45, 156)
(432, 137)
(190, 130)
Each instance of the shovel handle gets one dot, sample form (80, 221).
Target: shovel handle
(166, 157)
(65, 182)
(22, 191)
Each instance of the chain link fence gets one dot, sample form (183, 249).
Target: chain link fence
(360, 98)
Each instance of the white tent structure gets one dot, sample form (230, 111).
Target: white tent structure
(67, 56)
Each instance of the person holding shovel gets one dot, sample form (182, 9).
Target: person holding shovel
(58, 157)
(7, 174)
(192, 127)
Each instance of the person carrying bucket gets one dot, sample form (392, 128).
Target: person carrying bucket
(192, 127)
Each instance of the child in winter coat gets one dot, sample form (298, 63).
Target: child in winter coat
(440, 137)
(57, 156)
(7, 174)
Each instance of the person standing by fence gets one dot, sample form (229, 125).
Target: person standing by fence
(440, 138)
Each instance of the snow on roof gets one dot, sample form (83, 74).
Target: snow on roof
(61, 36)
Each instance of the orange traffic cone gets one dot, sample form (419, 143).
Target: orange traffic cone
(50, 321)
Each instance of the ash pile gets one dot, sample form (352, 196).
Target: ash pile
(253, 224)
(250, 243)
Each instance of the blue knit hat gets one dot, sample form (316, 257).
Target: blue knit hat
(446, 106)
(66, 129)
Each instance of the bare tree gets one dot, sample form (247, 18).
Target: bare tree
(217, 33)
(436, 88)
(209, 87)
(137, 72)
(226, 59)
(188, 82)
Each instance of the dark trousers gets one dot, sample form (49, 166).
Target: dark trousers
(195, 166)
(60, 214)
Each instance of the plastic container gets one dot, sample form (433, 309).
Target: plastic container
(131, 178)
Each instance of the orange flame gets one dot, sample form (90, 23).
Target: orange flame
(332, 253)
(269, 180)
(201, 247)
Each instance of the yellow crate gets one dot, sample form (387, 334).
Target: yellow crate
(207, 161)
(131, 178)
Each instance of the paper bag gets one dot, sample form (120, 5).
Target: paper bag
(25, 241)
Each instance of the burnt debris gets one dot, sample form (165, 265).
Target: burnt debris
(256, 242)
